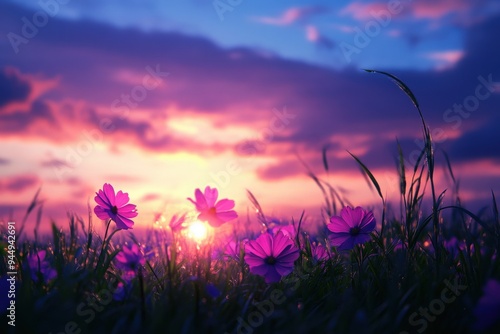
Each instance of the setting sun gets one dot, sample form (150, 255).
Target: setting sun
(198, 231)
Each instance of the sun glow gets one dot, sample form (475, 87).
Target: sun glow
(198, 231)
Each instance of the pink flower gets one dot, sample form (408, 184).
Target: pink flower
(271, 256)
(176, 222)
(211, 211)
(352, 227)
(115, 207)
(122, 291)
(319, 253)
(233, 249)
(130, 259)
(287, 230)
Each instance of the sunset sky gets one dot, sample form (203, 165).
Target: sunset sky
(160, 98)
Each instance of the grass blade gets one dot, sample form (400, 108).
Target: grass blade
(370, 175)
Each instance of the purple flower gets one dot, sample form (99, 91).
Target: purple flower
(287, 230)
(115, 207)
(122, 291)
(319, 253)
(488, 307)
(176, 222)
(39, 265)
(232, 250)
(211, 211)
(130, 259)
(271, 256)
(352, 227)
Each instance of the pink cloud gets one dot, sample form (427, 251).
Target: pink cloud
(394, 33)
(18, 183)
(312, 33)
(431, 9)
(314, 36)
(362, 11)
(150, 197)
(281, 170)
(446, 59)
(422, 9)
(292, 15)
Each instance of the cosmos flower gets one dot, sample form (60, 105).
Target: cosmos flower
(352, 227)
(130, 259)
(122, 291)
(287, 230)
(115, 207)
(271, 256)
(211, 211)
(232, 250)
(488, 307)
(39, 265)
(319, 253)
(177, 223)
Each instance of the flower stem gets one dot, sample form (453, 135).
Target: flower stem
(103, 243)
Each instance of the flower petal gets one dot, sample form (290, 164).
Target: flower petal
(201, 202)
(102, 200)
(338, 239)
(253, 260)
(227, 215)
(361, 238)
(352, 216)
(262, 269)
(128, 211)
(272, 276)
(224, 205)
(101, 212)
(123, 223)
(121, 199)
(211, 195)
(290, 256)
(347, 244)
(258, 247)
(110, 193)
(283, 269)
(338, 225)
(368, 223)
(280, 242)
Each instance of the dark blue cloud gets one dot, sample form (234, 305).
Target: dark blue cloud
(12, 87)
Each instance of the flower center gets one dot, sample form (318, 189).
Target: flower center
(212, 211)
(354, 231)
(114, 209)
(270, 260)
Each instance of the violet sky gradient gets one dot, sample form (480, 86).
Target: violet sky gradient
(219, 110)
